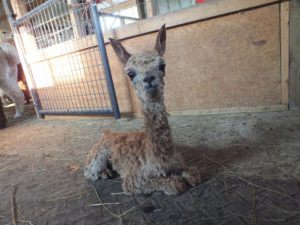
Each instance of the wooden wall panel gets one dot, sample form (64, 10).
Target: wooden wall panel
(294, 81)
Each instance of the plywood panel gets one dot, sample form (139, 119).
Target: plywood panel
(284, 38)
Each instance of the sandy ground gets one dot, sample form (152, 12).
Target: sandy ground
(257, 152)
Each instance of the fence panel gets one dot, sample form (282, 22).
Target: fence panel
(68, 72)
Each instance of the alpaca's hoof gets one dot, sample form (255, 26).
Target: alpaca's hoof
(17, 115)
(94, 174)
(106, 174)
(192, 175)
(88, 174)
(177, 186)
(91, 172)
(181, 185)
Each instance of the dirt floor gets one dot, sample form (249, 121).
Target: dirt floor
(249, 162)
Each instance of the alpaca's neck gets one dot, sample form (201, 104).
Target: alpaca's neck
(157, 128)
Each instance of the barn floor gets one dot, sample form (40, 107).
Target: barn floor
(250, 165)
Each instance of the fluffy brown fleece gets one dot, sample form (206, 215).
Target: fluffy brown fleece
(146, 160)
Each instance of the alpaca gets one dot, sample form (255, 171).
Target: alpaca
(146, 160)
(22, 82)
(9, 59)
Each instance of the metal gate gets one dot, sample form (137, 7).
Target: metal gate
(65, 58)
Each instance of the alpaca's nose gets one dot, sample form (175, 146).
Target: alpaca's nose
(149, 79)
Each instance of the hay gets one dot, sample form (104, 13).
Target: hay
(118, 216)
(82, 189)
(77, 195)
(35, 171)
(107, 203)
(280, 209)
(24, 218)
(74, 168)
(249, 182)
(14, 209)
(131, 218)
(118, 193)
(254, 219)
(13, 205)
(110, 212)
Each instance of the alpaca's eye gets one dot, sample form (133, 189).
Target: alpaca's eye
(131, 75)
(162, 67)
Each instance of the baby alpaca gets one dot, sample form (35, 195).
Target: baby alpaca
(146, 160)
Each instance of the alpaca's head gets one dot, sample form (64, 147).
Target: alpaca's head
(146, 71)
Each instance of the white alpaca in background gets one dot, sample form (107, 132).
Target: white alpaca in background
(9, 60)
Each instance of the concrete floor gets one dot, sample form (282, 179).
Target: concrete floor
(249, 162)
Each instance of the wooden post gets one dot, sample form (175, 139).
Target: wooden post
(18, 8)
(150, 8)
(294, 55)
(284, 56)
(76, 29)
(141, 7)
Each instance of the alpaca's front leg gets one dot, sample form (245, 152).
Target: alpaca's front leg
(96, 164)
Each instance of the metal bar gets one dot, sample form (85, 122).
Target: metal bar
(33, 90)
(76, 112)
(37, 102)
(117, 16)
(105, 62)
(36, 10)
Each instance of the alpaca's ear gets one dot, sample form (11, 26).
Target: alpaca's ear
(120, 51)
(160, 45)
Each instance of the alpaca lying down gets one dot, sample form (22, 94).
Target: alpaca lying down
(146, 160)
(9, 60)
